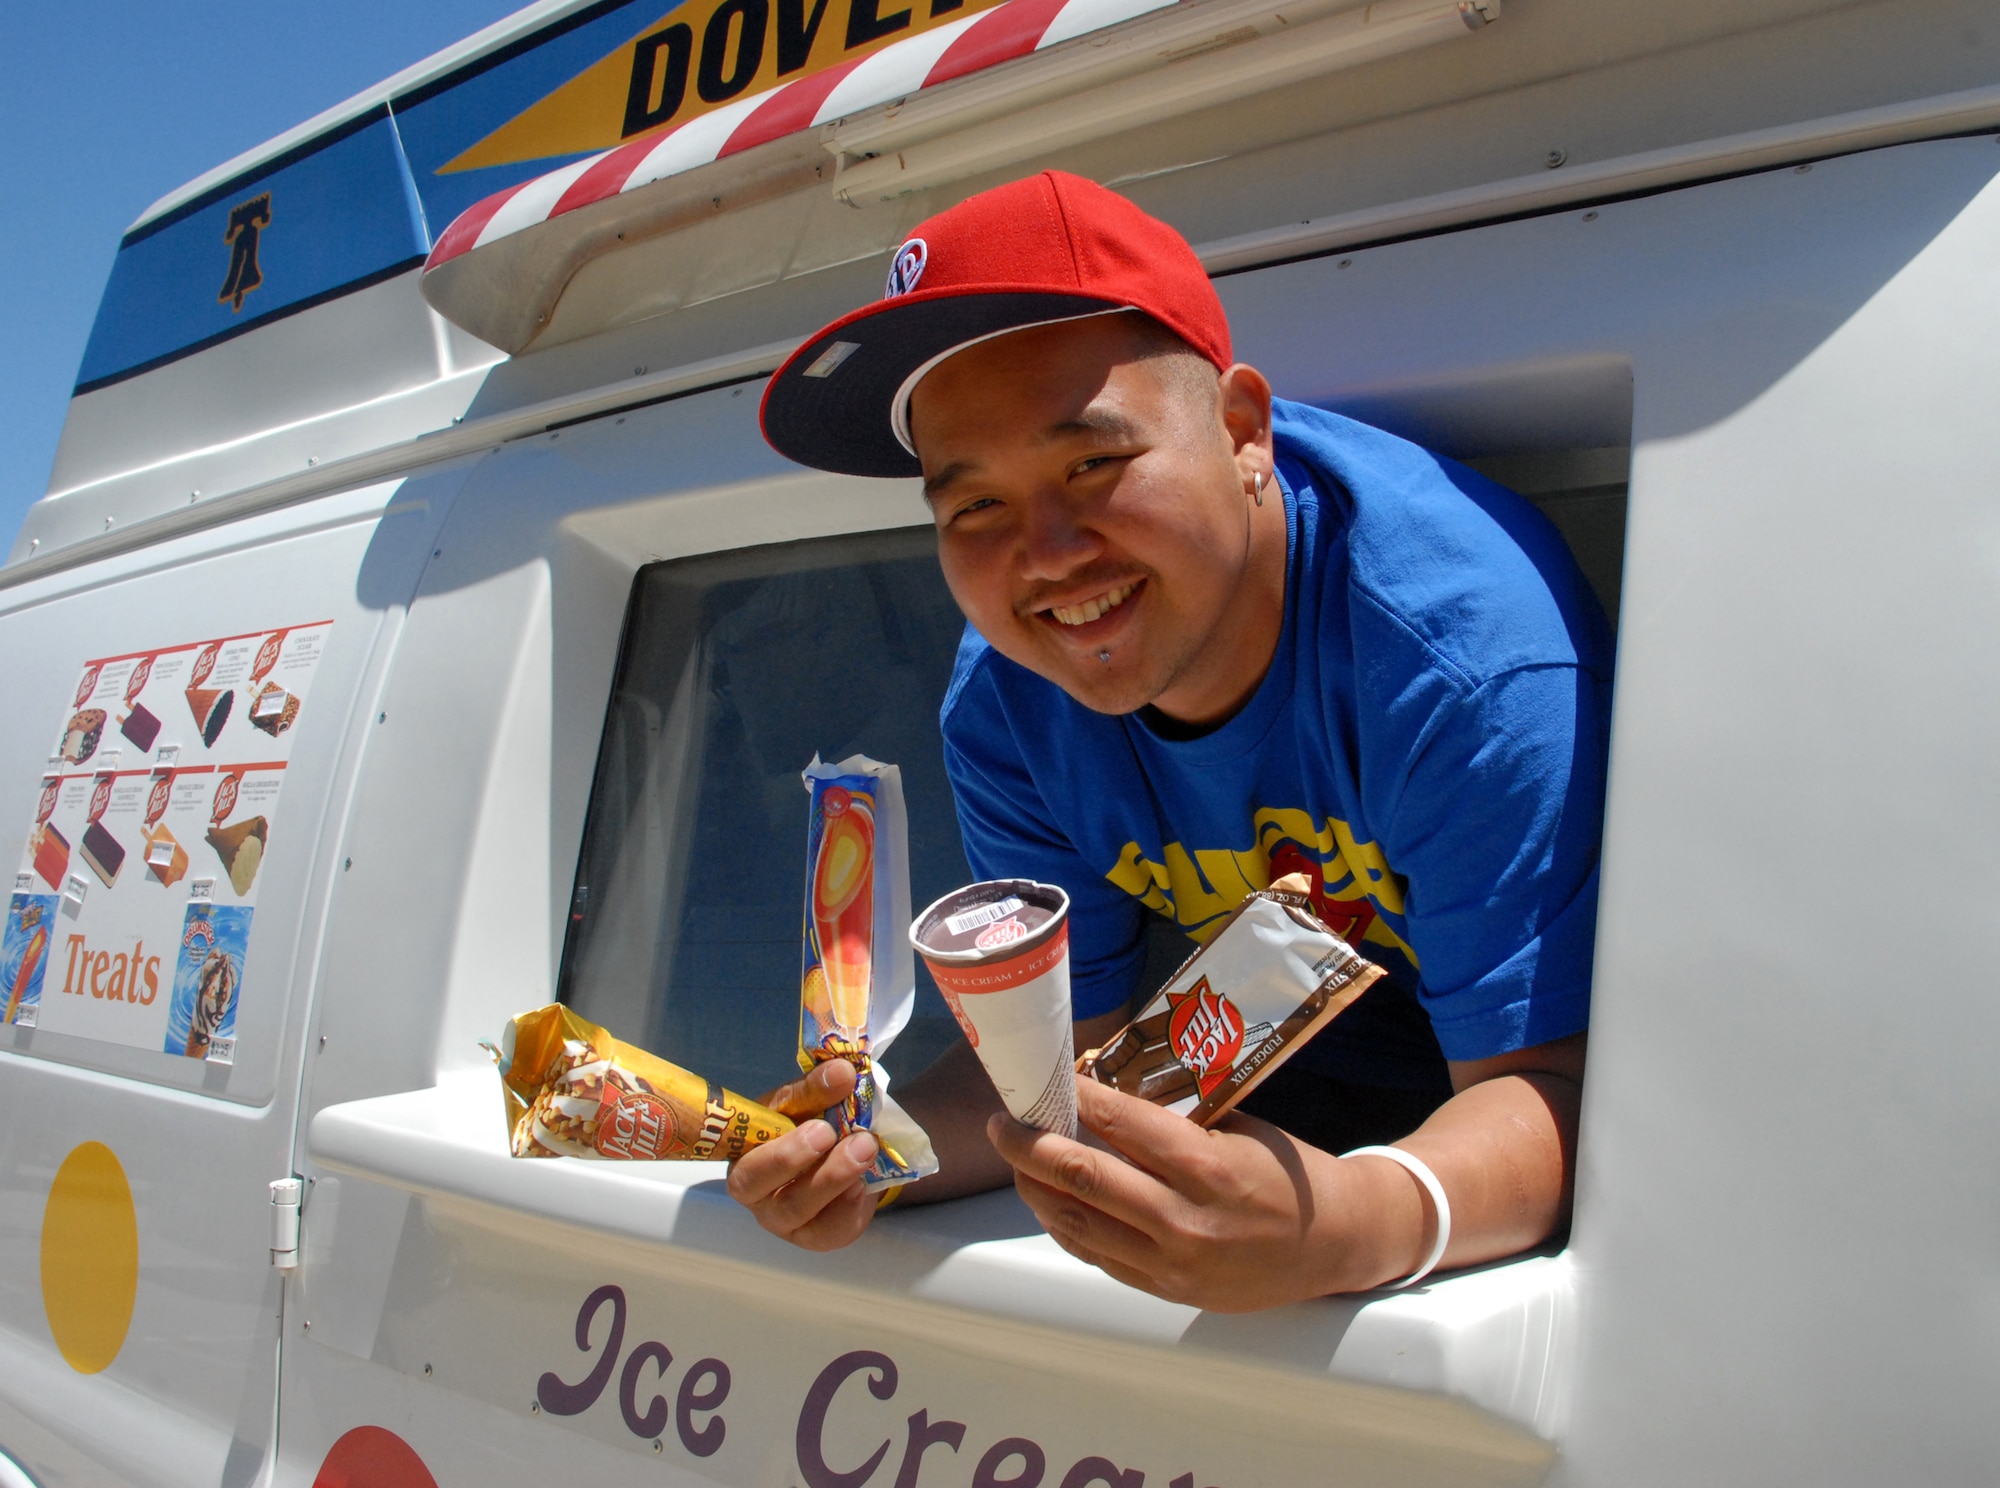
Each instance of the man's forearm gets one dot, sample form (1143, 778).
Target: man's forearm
(951, 1101)
(1503, 1148)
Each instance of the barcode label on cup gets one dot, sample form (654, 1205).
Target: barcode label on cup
(985, 914)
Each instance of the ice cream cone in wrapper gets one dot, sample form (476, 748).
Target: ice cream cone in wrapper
(1000, 953)
(572, 1090)
(857, 981)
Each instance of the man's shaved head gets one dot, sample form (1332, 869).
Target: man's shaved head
(1098, 490)
(1187, 368)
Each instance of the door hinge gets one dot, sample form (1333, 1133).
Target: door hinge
(285, 1196)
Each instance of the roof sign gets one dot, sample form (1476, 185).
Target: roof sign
(697, 57)
(967, 42)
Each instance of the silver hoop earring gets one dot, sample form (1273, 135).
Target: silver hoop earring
(1259, 491)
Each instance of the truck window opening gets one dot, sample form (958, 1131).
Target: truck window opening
(735, 668)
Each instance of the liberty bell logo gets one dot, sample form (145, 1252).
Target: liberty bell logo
(246, 225)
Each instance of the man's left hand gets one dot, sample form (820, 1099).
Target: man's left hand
(1244, 1216)
(1231, 1220)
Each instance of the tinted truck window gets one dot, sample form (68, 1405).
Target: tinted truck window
(684, 926)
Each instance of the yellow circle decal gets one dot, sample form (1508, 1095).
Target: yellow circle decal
(90, 1257)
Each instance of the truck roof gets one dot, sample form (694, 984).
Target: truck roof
(592, 201)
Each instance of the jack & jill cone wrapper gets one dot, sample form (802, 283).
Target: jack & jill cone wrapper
(572, 1090)
(858, 981)
(1000, 953)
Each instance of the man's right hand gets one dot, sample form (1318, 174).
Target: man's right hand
(806, 1186)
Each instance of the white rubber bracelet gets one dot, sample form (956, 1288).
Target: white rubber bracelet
(1420, 1170)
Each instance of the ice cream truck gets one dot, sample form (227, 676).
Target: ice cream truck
(416, 631)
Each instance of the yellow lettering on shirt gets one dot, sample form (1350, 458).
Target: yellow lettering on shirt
(1197, 887)
(1142, 878)
(1368, 867)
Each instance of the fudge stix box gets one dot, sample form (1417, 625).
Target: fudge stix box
(161, 798)
(1242, 1005)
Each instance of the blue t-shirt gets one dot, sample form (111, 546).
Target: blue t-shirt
(1429, 741)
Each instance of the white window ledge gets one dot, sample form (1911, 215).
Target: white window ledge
(1493, 1338)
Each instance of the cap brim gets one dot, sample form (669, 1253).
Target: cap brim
(839, 419)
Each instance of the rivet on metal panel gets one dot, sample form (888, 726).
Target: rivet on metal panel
(322, 1041)
(658, 1446)
(621, 418)
(1589, 216)
(554, 437)
(349, 863)
(534, 1407)
(312, 460)
(638, 371)
(107, 524)
(1345, 263)
(306, 1326)
(427, 1371)
(1555, 158)
(384, 717)
(1800, 170)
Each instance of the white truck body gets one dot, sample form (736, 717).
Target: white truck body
(1714, 283)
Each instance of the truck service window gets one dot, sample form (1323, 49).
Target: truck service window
(684, 927)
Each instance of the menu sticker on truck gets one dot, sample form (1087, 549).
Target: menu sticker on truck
(24, 953)
(201, 1021)
(137, 890)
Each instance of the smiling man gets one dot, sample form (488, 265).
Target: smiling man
(1214, 638)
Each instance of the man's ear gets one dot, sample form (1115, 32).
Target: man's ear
(1246, 416)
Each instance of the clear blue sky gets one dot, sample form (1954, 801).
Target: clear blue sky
(105, 106)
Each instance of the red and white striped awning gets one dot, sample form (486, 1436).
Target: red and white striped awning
(1012, 29)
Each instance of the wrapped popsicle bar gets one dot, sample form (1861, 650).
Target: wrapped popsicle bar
(572, 1090)
(1265, 983)
(857, 983)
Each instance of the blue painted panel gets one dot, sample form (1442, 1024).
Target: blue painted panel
(346, 209)
(442, 120)
(341, 212)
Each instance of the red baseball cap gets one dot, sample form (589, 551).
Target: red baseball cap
(1049, 248)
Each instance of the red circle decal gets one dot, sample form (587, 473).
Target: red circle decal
(371, 1457)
